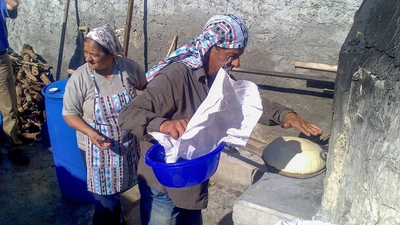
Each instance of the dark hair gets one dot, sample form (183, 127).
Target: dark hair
(103, 49)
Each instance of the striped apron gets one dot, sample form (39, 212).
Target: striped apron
(113, 170)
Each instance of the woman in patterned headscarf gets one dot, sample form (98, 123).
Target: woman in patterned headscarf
(179, 84)
(95, 95)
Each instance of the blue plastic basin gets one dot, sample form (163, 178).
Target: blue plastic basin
(183, 173)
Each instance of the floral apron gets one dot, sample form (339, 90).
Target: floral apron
(115, 169)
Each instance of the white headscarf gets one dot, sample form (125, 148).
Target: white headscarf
(106, 37)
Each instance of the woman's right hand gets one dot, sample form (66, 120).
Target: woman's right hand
(77, 123)
(100, 141)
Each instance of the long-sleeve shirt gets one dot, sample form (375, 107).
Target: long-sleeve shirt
(5, 13)
(175, 93)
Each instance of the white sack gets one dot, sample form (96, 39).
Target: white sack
(229, 114)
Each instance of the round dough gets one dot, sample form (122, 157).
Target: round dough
(294, 155)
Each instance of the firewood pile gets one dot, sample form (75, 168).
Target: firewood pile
(31, 75)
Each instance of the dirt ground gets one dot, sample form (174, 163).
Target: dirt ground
(29, 195)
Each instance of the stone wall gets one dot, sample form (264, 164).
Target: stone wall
(281, 32)
(363, 169)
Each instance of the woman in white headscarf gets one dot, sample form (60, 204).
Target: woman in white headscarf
(95, 94)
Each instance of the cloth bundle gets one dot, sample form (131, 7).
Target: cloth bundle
(229, 114)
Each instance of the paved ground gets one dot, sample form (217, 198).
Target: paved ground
(30, 195)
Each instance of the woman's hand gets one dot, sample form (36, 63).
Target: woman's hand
(294, 121)
(77, 123)
(175, 128)
(100, 141)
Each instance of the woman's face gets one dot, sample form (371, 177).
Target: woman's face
(216, 57)
(95, 57)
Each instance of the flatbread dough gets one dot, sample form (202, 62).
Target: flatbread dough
(294, 155)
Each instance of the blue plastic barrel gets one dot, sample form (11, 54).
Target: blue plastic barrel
(70, 169)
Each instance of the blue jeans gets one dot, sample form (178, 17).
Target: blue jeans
(156, 208)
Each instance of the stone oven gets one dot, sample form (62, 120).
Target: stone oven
(363, 167)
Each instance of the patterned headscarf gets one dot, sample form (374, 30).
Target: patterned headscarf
(225, 31)
(106, 37)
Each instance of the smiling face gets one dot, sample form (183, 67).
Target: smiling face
(97, 57)
(216, 57)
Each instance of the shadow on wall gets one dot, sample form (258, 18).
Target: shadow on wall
(77, 58)
(324, 94)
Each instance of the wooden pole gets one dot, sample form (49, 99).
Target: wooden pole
(284, 75)
(60, 53)
(172, 45)
(316, 66)
(128, 27)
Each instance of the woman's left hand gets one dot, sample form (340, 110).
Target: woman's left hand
(295, 121)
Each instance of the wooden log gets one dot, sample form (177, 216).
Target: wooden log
(29, 74)
(25, 84)
(30, 135)
(23, 108)
(20, 74)
(29, 63)
(35, 70)
(45, 79)
(28, 97)
(25, 126)
(27, 50)
(316, 66)
(18, 90)
(37, 86)
(37, 96)
(29, 83)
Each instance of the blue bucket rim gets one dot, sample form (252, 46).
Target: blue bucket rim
(191, 162)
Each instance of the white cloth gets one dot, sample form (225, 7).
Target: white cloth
(229, 113)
